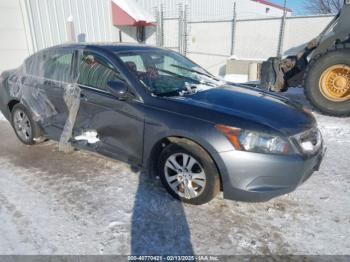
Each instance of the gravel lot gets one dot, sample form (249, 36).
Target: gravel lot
(82, 203)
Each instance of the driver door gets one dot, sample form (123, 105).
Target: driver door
(118, 125)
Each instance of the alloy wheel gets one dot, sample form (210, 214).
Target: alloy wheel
(22, 125)
(185, 175)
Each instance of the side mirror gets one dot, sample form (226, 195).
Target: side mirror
(118, 89)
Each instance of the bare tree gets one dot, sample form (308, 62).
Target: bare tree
(323, 6)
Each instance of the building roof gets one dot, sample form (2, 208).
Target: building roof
(128, 12)
(265, 2)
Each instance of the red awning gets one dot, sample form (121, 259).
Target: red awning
(128, 12)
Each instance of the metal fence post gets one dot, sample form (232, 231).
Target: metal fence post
(185, 29)
(180, 29)
(156, 16)
(282, 32)
(233, 31)
(160, 26)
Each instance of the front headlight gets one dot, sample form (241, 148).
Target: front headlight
(256, 142)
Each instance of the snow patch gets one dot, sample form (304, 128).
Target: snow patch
(339, 131)
(2, 118)
(90, 136)
(114, 224)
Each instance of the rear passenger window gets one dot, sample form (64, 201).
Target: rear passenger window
(30, 65)
(95, 71)
(57, 65)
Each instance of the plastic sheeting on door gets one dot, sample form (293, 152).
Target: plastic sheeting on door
(72, 100)
(51, 69)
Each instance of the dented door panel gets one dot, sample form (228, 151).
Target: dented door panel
(119, 125)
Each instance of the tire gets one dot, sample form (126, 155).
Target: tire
(27, 125)
(208, 181)
(339, 55)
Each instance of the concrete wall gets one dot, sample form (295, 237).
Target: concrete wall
(211, 38)
(303, 29)
(213, 10)
(210, 43)
(15, 42)
(171, 33)
(257, 39)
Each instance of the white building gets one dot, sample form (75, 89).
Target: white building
(15, 41)
(30, 25)
(217, 9)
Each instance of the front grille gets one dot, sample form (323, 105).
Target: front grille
(308, 142)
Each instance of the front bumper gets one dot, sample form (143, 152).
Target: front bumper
(252, 177)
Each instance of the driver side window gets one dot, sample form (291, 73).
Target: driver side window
(134, 62)
(95, 71)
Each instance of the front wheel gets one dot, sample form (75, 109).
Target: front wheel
(188, 173)
(327, 83)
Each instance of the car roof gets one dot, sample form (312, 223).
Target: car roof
(114, 47)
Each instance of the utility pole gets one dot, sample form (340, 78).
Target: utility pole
(283, 29)
(233, 28)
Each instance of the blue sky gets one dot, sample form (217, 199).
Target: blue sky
(296, 5)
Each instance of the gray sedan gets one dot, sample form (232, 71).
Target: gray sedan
(159, 111)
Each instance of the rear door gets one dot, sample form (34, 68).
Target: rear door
(118, 125)
(40, 86)
(57, 77)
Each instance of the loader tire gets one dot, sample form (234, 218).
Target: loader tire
(327, 81)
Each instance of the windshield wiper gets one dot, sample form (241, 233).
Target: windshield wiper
(170, 93)
(195, 71)
(181, 92)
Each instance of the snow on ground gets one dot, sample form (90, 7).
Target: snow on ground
(82, 203)
(2, 117)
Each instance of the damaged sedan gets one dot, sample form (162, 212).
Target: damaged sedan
(159, 111)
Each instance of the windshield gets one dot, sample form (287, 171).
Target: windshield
(167, 73)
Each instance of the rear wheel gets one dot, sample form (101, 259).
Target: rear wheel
(25, 128)
(327, 83)
(188, 173)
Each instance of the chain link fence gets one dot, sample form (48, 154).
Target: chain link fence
(172, 31)
(212, 42)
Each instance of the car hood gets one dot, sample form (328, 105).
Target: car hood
(246, 107)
